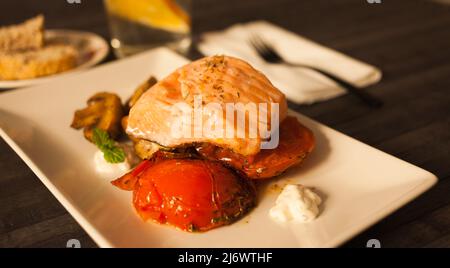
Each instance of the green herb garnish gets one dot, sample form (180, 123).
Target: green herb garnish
(112, 153)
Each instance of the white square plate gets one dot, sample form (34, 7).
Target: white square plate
(359, 184)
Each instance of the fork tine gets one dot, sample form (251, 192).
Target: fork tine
(270, 50)
(255, 42)
(260, 41)
(264, 49)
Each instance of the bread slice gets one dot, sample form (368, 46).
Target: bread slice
(52, 59)
(24, 36)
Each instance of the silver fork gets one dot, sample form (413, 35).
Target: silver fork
(269, 54)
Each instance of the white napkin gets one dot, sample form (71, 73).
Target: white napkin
(298, 84)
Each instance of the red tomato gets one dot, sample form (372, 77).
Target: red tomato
(296, 142)
(191, 194)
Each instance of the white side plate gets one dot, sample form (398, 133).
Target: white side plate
(359, 184)
(91, 48)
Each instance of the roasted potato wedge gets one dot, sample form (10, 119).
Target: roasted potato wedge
(104, 111)
(139, 91)
(124, 123)
(145, 149)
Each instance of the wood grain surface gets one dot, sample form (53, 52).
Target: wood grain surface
(408, 40)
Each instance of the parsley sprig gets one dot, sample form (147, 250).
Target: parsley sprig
(112, 153)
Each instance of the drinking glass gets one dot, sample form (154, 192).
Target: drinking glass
(138, 25)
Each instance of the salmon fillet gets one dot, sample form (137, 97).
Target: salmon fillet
(213, 82)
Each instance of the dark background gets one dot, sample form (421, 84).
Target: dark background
(409, 40)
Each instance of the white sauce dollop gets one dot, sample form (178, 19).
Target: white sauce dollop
(296, 203)
(101, 166)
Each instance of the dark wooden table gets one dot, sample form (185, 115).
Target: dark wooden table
(408, 40)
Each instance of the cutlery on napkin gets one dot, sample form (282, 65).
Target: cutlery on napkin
(300, 85)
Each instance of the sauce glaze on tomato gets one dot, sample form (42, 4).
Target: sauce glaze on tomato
(191, 194)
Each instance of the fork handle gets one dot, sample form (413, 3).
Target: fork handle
(360, 94)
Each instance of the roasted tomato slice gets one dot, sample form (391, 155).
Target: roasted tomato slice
(128, 181)
(191, 194)
(296, 142)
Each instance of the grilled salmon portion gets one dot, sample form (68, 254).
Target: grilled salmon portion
(168, 113)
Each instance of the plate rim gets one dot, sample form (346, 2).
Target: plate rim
(100, 56)
(99, 239)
